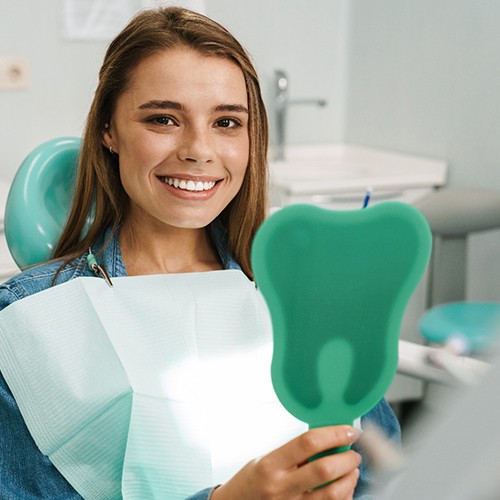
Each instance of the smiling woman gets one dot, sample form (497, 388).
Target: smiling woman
(175, 89)
(160, 382)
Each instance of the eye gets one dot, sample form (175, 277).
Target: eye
(227, 123)
(162, 120)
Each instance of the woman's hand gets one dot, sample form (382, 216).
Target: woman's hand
(286, 474)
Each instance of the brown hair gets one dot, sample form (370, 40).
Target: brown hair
(100, 201)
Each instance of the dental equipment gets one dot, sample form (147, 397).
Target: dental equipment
(435, 364)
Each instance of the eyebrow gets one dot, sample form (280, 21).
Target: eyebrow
(232, 108)
(162, 105)
(158, 104)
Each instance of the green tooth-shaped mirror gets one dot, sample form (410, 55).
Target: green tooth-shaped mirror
(337, 284)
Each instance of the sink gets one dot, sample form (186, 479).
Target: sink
(339, 168)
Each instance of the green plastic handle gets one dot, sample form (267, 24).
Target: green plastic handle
(39, 200)
(337, 284)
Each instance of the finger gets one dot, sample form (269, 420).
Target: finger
(341, 489)
(314, 441)
(324, 470)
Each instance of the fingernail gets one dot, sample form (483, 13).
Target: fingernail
(353, 434)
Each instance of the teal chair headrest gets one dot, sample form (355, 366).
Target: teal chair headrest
(39, 200)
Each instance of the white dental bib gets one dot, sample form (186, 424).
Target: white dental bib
(155, 388)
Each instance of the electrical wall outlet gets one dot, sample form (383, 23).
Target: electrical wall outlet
(14, 73)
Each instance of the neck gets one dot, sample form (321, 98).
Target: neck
(164, 250)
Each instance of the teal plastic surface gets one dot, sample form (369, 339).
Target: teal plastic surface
(39, 200)
(478, 323)
(337, 284)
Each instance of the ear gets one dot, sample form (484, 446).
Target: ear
(107, 138)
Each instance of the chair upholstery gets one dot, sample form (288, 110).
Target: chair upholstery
(39, 200)
(453, 215)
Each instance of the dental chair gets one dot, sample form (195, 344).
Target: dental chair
(454, 214)
(39, 200)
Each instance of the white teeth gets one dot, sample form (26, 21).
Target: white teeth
(189, 185)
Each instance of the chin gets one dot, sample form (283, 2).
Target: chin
(192, 224)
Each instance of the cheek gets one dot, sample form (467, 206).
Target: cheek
(245, 158)
(239, 168)
(139, 149)
(238, 156)
(138, 158)
(136, 144)
(135, 168)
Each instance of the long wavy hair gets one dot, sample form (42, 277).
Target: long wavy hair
(100, 201)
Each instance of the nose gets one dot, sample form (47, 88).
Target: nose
(196, 146)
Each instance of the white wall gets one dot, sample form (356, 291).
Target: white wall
(63, 78)
(424, 78)
(307, 39)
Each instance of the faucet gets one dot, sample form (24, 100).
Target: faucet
(282, 103)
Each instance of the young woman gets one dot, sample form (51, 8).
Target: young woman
(172, 177)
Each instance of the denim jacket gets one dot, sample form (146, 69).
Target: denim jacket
(25, 473)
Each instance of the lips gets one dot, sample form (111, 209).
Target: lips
(191, 185)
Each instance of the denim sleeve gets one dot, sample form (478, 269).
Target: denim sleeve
(202, 495)
(7, 297)
(25, 473)
(383, 417)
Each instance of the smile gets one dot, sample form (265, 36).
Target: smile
(188, 185)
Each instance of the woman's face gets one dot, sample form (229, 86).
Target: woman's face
(180, 129)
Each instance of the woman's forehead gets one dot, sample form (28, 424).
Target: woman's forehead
(187, 73)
